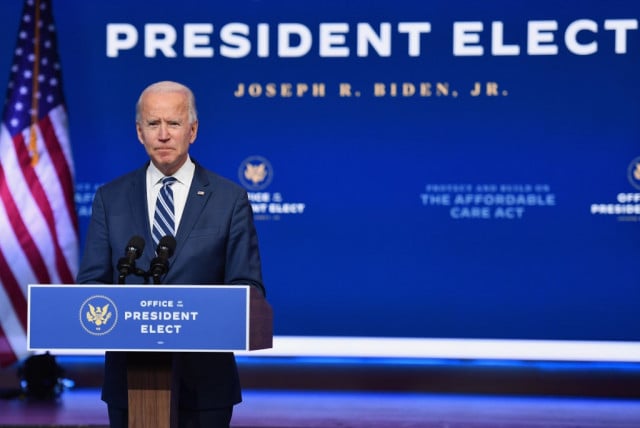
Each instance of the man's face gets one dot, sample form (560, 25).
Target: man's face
(164, 129)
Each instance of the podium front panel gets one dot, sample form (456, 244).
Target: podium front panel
(86, 318)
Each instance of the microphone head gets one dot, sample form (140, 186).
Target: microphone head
(136, 244)
(168, 244)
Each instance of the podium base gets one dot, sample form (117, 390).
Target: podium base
(153, 390)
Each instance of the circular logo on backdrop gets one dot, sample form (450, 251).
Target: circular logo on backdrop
(98, 315)
(633, 173)
(255, 173)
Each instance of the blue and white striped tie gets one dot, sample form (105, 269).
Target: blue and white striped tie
(164, 217)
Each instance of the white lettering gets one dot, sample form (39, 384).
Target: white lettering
(414, 30)
(466, 38)
(620, 26)
(160, 315)
(571, 37)
(498, 47)
(509, 213)
(335, 39)
(160, 328)
(285, 47)
(292, 208)
(259, 196)
(159, 37)
(263, 40)
(157, 303)
(236, 44)
(332, 40)
(380, 43)
(197, 40)
(540, 38)
(625, 198)
(120, 37)
(470, 212)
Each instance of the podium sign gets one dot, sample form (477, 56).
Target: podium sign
(186, 318)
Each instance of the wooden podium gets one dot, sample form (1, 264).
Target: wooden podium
(151, 324)
(153, 390)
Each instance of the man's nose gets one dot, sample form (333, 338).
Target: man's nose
(163, 132)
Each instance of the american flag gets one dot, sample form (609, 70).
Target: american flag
(38, 221)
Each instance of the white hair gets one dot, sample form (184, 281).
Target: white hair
(169, 86)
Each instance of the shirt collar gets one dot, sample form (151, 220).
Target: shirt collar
(182, 175)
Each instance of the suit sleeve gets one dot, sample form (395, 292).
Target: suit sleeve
(243, 265)
(95, 266)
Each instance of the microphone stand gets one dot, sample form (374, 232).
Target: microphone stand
(127, 269)
(158, 268)
(153, 378)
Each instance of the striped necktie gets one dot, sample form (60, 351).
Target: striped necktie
(164, 217)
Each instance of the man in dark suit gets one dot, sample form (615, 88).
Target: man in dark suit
(216, 243)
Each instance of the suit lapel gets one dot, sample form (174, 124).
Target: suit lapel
(140, 212)
(199, 194)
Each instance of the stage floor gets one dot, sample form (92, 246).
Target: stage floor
(324, 409)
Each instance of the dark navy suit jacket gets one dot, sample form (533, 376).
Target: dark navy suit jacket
(216, 244)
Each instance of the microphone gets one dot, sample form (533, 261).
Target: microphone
(133, 251)
(160, 264)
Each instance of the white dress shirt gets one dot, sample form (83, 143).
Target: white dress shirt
(180, 189)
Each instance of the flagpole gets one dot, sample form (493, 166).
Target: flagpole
(33, 137)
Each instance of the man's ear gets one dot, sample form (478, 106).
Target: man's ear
(139, 132)
(194, 131)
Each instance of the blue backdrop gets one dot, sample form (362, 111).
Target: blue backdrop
(469, 174)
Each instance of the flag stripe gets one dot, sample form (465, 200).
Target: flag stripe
(46, 243)
(14, 295)
(7, 356)
(13, 314)
(54, 174)
(28, 214)
(24, 236)
(65, 224)
(41, 199)
(10, 246)
(61, 166)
